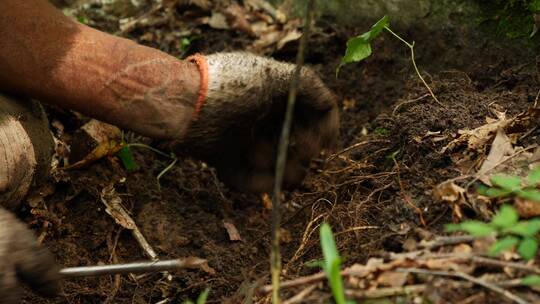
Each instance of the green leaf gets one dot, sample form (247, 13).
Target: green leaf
(529, 194)
(496, 192)
(506, 217)
(526, 228)
(127, 159)
(314, 264)
(82, 19)
(475, 228)
(534, 6)
(531, 280)
(507, 182)
(503, 245)
(527, 248)
(203, 296)
(534, 176)
(332, 263)
(359, 47)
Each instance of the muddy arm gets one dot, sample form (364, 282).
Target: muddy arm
(46, 55)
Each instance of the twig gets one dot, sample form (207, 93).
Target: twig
(447, 240)
(385, 292)
(467, 277)
(301, 295)
(114, 208)
(333, 156)
(407, 102)
(494, 262)
(536, 99)
(319, 276)
(275, 257)
(356, 229)
(140, 267)
(405, 197)
(411, 47)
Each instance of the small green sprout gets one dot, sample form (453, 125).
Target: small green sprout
(380, 131)
(201, 299)
(126, 156)
(332, 264)
(359, 48)
(82, 19)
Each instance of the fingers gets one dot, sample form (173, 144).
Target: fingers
(31, 264)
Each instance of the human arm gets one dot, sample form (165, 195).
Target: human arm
(47, 56)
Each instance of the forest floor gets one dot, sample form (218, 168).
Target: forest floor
(405, 167)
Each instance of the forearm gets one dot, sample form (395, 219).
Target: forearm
(47, 56)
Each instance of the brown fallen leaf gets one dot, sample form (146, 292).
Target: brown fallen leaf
(237, 19)
(104, 149)
(449, 192)
(478, 138)
(218, 21)
(266, 201)
(526, 208)
(392, 278)
(501, 149)
(234, 235)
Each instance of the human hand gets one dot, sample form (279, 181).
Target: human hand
(22, 261)
(239, 117)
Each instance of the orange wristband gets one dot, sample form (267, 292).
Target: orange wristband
(202, 65)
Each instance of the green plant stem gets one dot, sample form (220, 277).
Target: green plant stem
(411, 47)
(275, 256)
(139, 145)
(171, 156)
(169, 167)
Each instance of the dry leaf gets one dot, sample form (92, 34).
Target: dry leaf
(462, 249)
(285, 236)
(266, 201)
(234, 235)
(392, 279)
(104, 149)
(218, 21)
(236, 18)
(477, 139)
(114, 208)
(526, 208)
(290, 36)
(450, 193)
(501, 149)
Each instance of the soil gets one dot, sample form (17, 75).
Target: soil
(375, 196)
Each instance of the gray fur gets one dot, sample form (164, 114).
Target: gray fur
(23, 261)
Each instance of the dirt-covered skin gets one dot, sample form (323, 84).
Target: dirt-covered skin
(359, 189)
